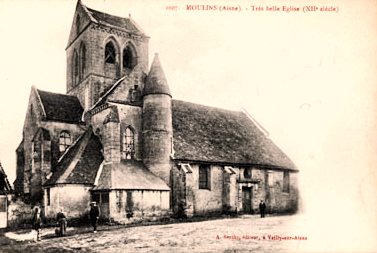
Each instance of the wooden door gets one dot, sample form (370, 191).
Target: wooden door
(246, 199)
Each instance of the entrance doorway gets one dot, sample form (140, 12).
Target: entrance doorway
(102, 199)
(246, 200)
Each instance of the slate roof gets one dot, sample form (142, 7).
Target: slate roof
(80, 163)
(61, 107)
(209, 134)
(107, 19)
(156, 81)
(129, 175)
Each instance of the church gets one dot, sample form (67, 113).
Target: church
(119, 138)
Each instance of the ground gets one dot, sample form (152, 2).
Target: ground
(242, 234)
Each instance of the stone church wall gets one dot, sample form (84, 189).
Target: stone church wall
(73, 199)
(100, 76)
(130, 205)
(225, 193)
(111, 140)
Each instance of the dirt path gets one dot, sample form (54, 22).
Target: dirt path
(244, 234)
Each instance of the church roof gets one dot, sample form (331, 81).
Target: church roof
(209, 134)
(80, 162)
(107, 19)
(61, 107)
(129, 175)
(156, 81)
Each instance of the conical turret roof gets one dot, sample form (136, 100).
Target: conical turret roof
(156, 81)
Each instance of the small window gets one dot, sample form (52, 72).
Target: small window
(128, 145)
(204, 177)
(247, 173)
(270, 178)
(129, 57)
(286, 181)
(48, 196)
(110, 53)
(64, 141)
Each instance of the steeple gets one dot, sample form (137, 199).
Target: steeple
(156, 81)
(101, 49)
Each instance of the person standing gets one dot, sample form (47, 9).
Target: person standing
(62, 221)
(37, 222)
(262, 208)
(94, 215)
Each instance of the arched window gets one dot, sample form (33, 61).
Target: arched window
(64, 141)
(110, 54)
(78, 24)
(75, 68)
(128, 144)
(82, 60)
(129, 57)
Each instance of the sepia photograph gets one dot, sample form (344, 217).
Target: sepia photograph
(188, 126)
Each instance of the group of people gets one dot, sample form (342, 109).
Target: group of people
(62, 220)
(93, 216)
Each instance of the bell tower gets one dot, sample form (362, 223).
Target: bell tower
(101, 49)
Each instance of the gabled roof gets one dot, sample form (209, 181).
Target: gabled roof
(80, 163)
(209, 134)
(129, 175)
(107, 19)
(60, 107)
(5, 187)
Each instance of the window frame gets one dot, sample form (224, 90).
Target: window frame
(286, 181)
(247, 173)
(75, 68)
(128, 144)
(82, 61)
(110, 53)
(130, 51)
(48, 197)
(204, 170)
(67, 136)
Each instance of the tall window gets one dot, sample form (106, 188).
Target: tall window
(82, 60)
(78, 24)
(48, 197)
(64, 141)
(128, 144)
(286, 181)
(204, 177)
(129, 57)
(110, 53)
(75, 70)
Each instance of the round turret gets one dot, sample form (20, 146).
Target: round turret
(157, 122)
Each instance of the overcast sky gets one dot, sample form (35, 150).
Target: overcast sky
(308, 78)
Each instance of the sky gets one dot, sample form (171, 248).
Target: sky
(308, 78)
